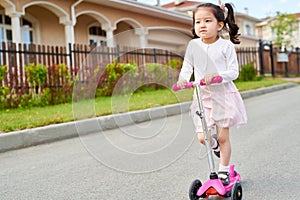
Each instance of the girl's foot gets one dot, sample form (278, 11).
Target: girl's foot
(216, 147)
(224, 177)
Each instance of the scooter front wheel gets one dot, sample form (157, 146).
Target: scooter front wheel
(236, 191)
(195, 186)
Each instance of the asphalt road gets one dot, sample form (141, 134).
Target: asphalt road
(159, 159)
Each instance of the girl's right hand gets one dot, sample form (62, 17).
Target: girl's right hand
(182, 83)
(208, 78)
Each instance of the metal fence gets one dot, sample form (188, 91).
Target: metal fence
(272, 64)
(80, 59)
(16, 56)
(246, 55)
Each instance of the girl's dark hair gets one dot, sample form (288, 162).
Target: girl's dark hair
(232, 28)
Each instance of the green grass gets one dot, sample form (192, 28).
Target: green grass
(251, 85)
(21, 118)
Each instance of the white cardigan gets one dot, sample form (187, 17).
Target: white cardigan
(218, 57)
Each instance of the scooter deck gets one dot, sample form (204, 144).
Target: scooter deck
(215, 186)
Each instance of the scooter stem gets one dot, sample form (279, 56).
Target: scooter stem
(206, 133)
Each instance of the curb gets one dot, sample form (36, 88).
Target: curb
(261, 91)
(35, 136)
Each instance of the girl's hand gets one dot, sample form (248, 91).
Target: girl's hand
(182, 83)
(207, 78)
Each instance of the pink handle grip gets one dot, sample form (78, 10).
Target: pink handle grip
(216, 79)
(188, 85)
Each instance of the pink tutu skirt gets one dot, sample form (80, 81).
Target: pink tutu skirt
(223, 107)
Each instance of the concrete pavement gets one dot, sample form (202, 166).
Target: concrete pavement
(35, 136)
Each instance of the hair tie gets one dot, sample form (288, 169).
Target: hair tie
(223, 8)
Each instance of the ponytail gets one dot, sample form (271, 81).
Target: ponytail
(232, 26)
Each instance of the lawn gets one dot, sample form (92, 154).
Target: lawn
(21, 118)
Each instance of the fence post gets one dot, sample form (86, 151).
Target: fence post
(272, 59)
(286, 64)
(118, 53)
(261, 57)
(70, 54)
(154, 56)
(298, 61)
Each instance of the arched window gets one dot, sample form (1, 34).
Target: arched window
(6, 29)
(97, 36)
(26, 28)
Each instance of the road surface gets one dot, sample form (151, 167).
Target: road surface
(159, 159)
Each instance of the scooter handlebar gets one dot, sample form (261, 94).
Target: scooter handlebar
(188, 85)
(216, 79)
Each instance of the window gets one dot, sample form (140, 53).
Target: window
(26, 30)
(5, 28)
(26, 35)
(97, 36)
(248, 29)
(7, 20)
(6, 34)
(9, 35)
(97, 30)
(26, 23)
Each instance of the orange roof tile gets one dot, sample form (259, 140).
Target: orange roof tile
(185, 3)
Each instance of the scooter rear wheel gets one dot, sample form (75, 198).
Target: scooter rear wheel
(196, 184)
(236, 191)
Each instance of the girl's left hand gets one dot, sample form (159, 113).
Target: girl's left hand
(207, 78)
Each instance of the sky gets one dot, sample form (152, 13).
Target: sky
(257, 8)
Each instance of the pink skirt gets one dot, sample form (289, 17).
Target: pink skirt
(222, 108)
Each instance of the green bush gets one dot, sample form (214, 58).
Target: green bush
(4, 95)
(175, 64)
(60, 85)
(36, 77)
(48, 86)
(113, 72)
(156, 76)
(4, 91)
(248, 72)
(3, 72)
(157, 73)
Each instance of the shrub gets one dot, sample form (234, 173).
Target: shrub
(4, 94)
(156, 76)
(113, 72)
(3, 72)
(157, 73)
(4, 91)
(60, 85)
(175, 64)
(36, 76)
(248, 72)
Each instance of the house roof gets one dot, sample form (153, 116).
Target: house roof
(297, 15)
(266, 20)
(246, 16)
(183, 4)
(145, 9)
(192, 5)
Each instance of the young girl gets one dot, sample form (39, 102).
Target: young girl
(208, 55)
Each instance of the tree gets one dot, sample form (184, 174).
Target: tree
(284, 26)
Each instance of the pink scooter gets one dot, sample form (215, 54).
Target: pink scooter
(214, 185)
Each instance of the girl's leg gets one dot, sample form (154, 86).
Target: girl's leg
(225, 146)
(225, 153)
(213, 143)
(201, 139)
